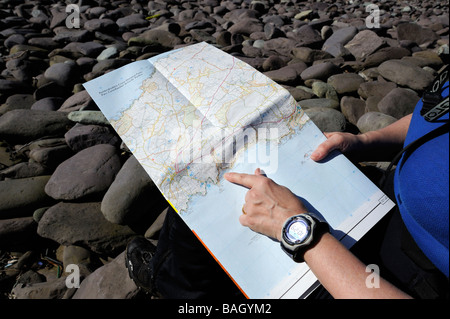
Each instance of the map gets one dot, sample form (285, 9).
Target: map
(191, 115)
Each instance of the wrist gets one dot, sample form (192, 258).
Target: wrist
(282, 217)
(281, 221)
(367, 139)
(317, 246)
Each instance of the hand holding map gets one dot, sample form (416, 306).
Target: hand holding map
(193, 114)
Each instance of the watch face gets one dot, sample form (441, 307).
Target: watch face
(297, 231)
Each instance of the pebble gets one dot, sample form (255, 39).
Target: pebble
(54, 289)
(12, 86)
(17, 101)
(321, 103)
(132, 21)
(108, 53)
(63, 74)
(334, 45)
(398, 102)
(131, 195)
(158, 40)
(416, 33)
(20, 197)
(88, 117)
(280, 46)
(78, 102)
(110, 281)
(321, 71)
(77, 255)
(289, 74)
(406, 74)
(327, 119)
(83, 136)
(101, 25)
(24, 170)
(375, 88)
(353, 108)
(274, 62)
(61, 161)
(345, 82)
(88, 173)
(309, 55)
(372, 121)
(385, 54)
(48, 104)
(364, 43)
(64, 35)
(300, 93)
(52, 156)
(27, 125)
(324, 90)
(7, 156)
(83, 224)
(17, 231)
(307, 36)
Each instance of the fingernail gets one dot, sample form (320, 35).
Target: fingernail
(315, 155)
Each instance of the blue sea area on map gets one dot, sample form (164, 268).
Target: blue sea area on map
(162, 55)
(120, 88)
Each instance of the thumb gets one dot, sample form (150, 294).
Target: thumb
(259, 171)
(325, 148)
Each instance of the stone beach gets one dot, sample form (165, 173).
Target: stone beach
(71, 192)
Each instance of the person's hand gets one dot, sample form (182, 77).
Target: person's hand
(267, 204)
(344, 142)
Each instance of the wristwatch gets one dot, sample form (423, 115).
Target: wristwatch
(300, 232)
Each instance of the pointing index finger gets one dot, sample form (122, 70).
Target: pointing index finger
(245, 180)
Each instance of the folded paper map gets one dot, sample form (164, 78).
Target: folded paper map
(191, 115)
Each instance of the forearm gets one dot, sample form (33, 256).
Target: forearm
(379, 145)
(385, 142)
(394, 134)
(344, 275)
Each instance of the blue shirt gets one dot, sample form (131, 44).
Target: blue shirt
(422, 189)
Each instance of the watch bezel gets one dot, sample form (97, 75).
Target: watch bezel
(293, 246)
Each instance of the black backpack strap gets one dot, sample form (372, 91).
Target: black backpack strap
(434, 104)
